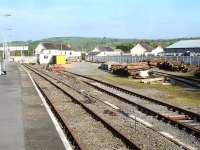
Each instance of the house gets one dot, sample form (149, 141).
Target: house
(155, 52)
(105, 51)
(45, 52)
(140, 49)
(184, 47)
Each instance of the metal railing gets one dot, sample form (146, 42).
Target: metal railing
(194, 60)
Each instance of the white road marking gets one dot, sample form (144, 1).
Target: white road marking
(113, 106)
(141, 121)
(177, 140)
(63, 138)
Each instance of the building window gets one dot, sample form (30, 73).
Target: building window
(45, 57)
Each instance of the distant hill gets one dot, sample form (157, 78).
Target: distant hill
(88, 43)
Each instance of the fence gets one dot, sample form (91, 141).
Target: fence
(194, 60)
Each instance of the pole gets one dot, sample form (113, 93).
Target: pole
(3, 64)
(61, 48)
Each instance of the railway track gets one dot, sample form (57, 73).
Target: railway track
(195, 83)
(69, 132)
(183, 119)
(177, 142)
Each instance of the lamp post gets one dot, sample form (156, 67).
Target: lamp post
(5, 52)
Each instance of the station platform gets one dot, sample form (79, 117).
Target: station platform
(24, 121)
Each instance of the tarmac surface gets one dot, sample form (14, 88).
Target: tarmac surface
(87, 68)
(24, 121)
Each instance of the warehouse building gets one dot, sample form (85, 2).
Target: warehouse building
(46, 51)
(184, 48)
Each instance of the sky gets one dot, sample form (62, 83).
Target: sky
(141, 19)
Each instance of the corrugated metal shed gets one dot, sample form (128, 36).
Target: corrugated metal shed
(186, 44)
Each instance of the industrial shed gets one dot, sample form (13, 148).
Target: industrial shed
(182, 47)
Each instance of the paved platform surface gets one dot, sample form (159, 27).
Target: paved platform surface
(24, 122)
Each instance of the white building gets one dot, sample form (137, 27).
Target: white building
(155, 52)
(140, 49)
(46, 51)
(105, 51)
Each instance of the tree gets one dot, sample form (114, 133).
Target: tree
(125, 48)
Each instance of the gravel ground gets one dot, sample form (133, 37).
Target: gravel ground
(157, 125)
(126, 125)
(91, 132)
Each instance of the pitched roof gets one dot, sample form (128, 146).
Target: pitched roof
(105, 48)
(93, 53)
(186, 44)
(59, 46)
(147, 47)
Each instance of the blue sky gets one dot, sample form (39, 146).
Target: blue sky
(36, 19)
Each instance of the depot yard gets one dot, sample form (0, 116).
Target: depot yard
(147, 104)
